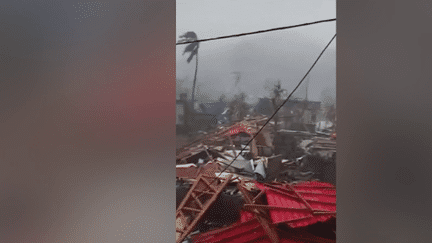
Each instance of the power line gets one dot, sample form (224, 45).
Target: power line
(286, 100)
(275, 112)
(256, 32)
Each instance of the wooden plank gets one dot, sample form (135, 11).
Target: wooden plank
(257, 206)
(197, 200)
(192, 209)
(258, 196)
(259, 215)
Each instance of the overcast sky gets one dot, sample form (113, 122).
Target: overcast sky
(284, 55)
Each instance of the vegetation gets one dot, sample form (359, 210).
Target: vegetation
(192, 48)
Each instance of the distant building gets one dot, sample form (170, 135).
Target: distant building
(295, 111)
(189, 120)
(264, 107)
(217, 109)
(182, 114)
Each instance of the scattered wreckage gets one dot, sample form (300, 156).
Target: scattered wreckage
(268, 194)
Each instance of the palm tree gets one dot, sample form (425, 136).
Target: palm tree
(277, 96)
(238, 108)
(192, 48)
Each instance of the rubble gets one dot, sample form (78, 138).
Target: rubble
(274, 191)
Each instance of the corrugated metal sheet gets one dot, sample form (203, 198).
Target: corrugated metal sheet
(249, 230)
(191, 171)
(246, 216)
(243, 232)
(300, 205)
(239, 129)
(186, 171)
(282, 241)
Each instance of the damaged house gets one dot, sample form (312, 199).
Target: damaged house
(293, 114)
(230, 190)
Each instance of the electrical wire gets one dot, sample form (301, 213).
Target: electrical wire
(274, 113)
(256, 32)
(268, 120)
(286, 100)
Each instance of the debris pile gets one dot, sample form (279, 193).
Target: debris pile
(272, 192)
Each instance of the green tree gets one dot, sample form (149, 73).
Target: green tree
(192, 48)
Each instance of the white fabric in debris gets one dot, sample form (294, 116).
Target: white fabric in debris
(260, 170)
(225, 175)
(233, 154)
(186, 166)
(239, 163)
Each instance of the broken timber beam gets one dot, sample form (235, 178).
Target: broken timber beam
(261, 214)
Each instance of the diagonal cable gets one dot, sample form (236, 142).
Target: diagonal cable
(285, 101)
(268, 120)
(256, 32)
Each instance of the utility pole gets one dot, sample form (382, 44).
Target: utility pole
(237, 80)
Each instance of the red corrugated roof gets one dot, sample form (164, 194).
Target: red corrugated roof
(242, 232)
(246, 216)
(249, 230)
(295, 205)
(239, 129)
(298, 205)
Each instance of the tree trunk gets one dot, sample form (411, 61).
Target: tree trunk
(194, 82)
(276, 117)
